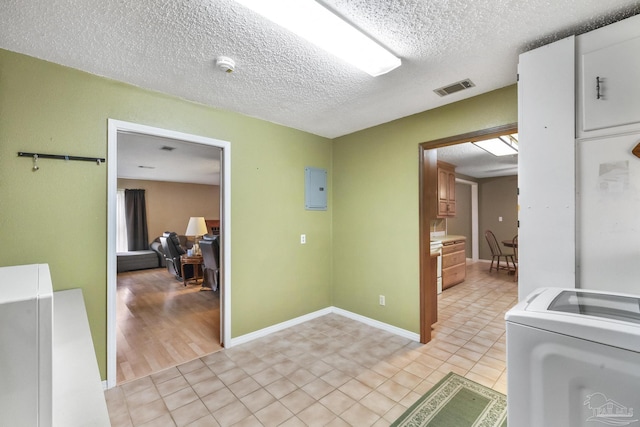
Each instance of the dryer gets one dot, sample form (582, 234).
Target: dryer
(573, 359)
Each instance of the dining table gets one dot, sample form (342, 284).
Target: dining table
(509, 243)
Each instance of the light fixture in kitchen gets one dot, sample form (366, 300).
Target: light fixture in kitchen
(504, 145)
(315, 23)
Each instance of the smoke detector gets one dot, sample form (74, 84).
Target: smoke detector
(226, 64)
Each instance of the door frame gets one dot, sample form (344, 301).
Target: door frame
(114, 127)
(428, 188)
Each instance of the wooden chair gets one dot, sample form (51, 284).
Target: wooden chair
(496, 253)
(514, 245)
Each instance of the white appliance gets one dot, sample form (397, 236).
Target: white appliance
(26, 325)
(436, 248)
(573, 359)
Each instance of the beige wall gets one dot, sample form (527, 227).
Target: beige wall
(461, 223)
(498, 197)
(171, 204)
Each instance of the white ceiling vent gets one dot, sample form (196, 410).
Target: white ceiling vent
(455, 87)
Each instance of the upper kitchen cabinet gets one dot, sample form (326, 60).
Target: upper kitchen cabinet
(546, 167)
(608, 61)
(446, 190)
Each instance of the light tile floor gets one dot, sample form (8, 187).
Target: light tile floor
(330, 371)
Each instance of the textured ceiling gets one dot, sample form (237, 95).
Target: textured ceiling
(171, 45)
(146, 157)
(475, 162)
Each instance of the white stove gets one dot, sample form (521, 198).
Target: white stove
(436, 248)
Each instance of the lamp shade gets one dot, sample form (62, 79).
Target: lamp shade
(196, 226)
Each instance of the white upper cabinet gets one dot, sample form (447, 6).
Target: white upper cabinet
(609, 79)
(546, 173)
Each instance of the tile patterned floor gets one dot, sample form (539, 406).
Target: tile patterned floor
(330, 371)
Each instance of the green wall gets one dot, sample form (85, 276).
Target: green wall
(58, 215)
(375, 196)
(365, 245)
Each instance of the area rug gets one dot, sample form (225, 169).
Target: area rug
(456, 402)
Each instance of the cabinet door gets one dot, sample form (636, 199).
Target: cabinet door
(608, 220)
(451, 186)
(546, 167)
(446, 193)
(611, 86)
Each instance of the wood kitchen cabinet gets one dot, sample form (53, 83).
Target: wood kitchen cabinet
(454, 262)
(446, 190)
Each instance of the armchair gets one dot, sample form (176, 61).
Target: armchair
(210, 247)
(172, 252)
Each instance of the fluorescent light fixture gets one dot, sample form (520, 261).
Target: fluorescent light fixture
(502, 146)
(313, 22)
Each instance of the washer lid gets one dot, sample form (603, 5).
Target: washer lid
(617, 307)
(608, 318)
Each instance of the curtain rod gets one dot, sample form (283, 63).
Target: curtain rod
(37, 156)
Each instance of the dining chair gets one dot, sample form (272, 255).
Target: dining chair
(514, 245)
(497, 254)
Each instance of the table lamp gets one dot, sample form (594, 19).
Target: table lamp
(196, 227)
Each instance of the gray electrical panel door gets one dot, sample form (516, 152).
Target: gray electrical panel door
(315, 189)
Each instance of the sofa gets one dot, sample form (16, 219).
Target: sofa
(137, 260)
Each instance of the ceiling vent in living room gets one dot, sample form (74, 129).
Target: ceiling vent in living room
(167, 148)
(455, 87)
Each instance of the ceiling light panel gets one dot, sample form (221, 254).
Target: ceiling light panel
(313, 22)
(498, 146)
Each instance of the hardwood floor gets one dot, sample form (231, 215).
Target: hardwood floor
(161, 323)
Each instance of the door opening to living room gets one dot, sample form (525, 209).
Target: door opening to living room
(164, 308)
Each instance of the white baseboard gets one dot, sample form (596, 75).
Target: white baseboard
(278, 327)
(377, 324)
(242, 339)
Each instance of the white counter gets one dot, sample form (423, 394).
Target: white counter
(78, 397)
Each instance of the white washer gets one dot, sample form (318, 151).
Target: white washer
(573, 359)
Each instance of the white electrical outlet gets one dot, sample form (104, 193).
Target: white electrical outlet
(499, 219)
(303, 239)
(382, 301)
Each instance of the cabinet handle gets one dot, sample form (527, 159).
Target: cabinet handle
(598, 96)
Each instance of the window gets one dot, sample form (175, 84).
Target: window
(122, 244)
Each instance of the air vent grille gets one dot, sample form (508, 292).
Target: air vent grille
(455, 87)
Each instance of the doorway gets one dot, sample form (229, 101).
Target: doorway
(428, 206)
(116, 127)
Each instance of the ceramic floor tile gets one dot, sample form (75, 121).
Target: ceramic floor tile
(360, 415)
(331, 371)
(281, 388)
(206, 421)
(318, 388)
(171, 386)
(231, 414)
(145, 413)
(164, 421)
(180, 398)
(316, 415)
(257, 400)
(274, 414)
(337, 402)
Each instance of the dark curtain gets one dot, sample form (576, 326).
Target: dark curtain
(136, 215)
